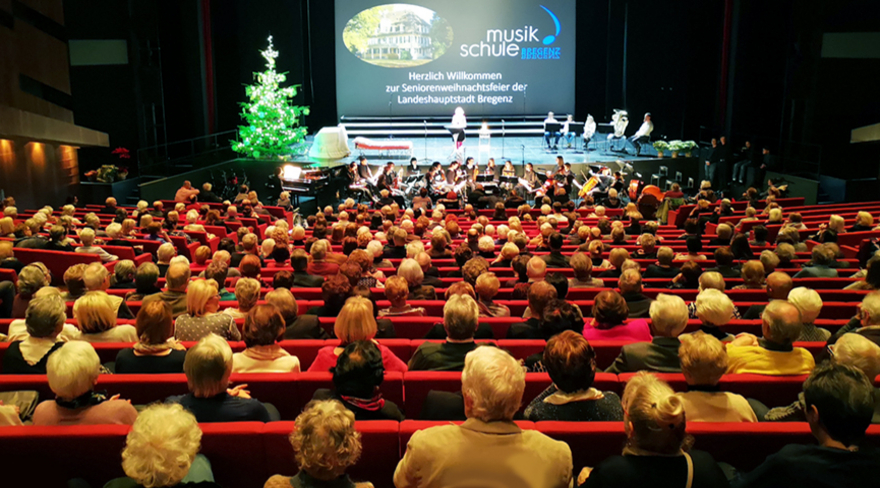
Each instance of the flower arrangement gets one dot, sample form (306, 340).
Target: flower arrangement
(660, 146)
(107, 173)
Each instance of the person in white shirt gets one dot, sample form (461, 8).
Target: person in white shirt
(551, 120)
(567, 132)
(589, 130)
(459, 121)
(643, 135)
(87, 237)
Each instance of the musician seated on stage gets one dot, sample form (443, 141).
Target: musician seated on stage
(555, 134)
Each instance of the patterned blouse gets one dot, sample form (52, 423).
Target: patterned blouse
(189, 328)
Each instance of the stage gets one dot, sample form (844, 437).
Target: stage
(531, 149)
(519, 150)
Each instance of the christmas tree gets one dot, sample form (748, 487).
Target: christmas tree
(273, 128)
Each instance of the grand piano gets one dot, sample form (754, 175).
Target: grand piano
(310, 180)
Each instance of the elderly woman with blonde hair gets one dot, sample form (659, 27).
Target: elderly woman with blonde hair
(263, 328)
(355, 322)
(161, 450)
(247, 293)
(325, 445)
(201, 317)
(412, 272)
(657, 445)
(397, 292)
(72, 372)
(703, 363)
(96, 316)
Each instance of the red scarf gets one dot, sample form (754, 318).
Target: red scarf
(371, 404)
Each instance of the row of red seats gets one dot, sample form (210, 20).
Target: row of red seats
(289, 392)
(246, 454)
(307, 349)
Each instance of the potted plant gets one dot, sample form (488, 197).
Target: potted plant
(108, 173)
(123, 173)
(689, 148)
(660, 146)
(92, 175)
(676, 147)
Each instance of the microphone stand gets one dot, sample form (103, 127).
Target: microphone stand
(502, 139)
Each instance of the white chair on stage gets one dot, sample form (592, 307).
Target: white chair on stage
(330, 143)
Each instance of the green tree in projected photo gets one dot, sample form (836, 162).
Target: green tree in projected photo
(273, 127)
(441, 35)
(397, 35)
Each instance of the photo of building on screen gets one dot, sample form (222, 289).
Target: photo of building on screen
(397, 35)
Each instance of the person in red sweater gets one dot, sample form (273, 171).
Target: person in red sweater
(356, 322)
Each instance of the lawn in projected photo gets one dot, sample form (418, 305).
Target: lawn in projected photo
(397, 35)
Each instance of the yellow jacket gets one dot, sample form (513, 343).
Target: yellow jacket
(760, 360)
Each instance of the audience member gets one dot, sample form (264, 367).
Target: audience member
(356, 379)
(72, 372)
(355, 322)
(630, 285)
(773, 354)
(44, 318)
(703, 363)
(460, 316)
(778, 286)
(657, 444)
(325, 444)
(489, 446)
(668, 320)
(263, 327)
(571, 364)
(176, 282)
(202, 318)
(156, 350)
(96, 317)
(839, 402)
(610, 320)
(208, 366)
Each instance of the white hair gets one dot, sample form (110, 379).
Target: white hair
(669, 315)
(179, 259)
(87, 236)
(807, 301)
(486, 244)
(166, 252)
(414, 248)
(411, 271)
(73, 369)
(714, 307)
(192, 216)
(114, 230)
(871, 305)
(503, 230)
(494, 383)
(161, 445)
(375, 248)
(858, 351)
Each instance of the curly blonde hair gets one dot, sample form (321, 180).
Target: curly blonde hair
(324, 441)
(654, 415)
(161, 445)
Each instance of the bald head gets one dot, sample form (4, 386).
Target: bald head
(778, 286)
(781, 322)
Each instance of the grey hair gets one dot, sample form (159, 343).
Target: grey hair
(45, 315)
(30, 279)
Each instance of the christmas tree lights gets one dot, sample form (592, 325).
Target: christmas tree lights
(273, 127)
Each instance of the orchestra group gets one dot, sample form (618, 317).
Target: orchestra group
(458, 183)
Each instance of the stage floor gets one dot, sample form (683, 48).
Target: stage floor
(519, 150)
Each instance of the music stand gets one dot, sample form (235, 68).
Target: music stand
(551, 128)
(456, 132)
